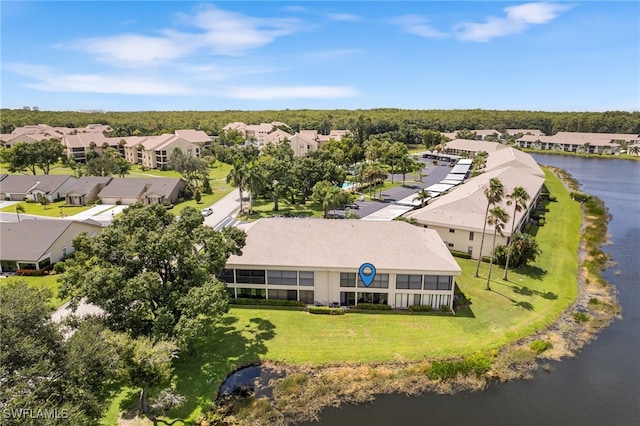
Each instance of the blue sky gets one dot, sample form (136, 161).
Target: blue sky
(161, 55)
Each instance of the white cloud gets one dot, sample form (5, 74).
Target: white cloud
(518, 19)
(213, 31)
(290, 92)
(48, 80)
(418, 25)
(343, 17)
(330, 54)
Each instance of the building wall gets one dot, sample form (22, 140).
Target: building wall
(327, 289)
(63, 247)
(459, 240)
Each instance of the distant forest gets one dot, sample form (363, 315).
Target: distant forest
(403, 125)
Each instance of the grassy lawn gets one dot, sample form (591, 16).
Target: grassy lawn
(534, 297)
(46, 281)
(219, 170)
(264, 208)
(50, 210)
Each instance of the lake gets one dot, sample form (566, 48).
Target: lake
(601, 386)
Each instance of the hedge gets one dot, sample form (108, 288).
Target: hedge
(266, 302)
(460, 254)
(373, 306)
(324, 310)
(420, 308)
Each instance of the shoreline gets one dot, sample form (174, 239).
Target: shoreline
(306, 390)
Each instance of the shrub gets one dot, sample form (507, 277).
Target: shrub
(581, 197)
(445, 308)
(118, 202)
(28, 200)
(30, 272)
(546, 209)
(420, 308)
(541, 221)
(478, 363)
(266, 302)
(539, 346)
(58, 267)
(580, 317)
(460, 254)
(373, 306)
(324, 310)
(98, 201)
(553, 198)
(486, 259)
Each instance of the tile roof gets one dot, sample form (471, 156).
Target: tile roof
(464, 206)
(31, 239)
(343, 244)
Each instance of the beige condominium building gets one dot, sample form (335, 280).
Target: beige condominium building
(318, 260)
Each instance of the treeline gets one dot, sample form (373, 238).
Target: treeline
(402, 125)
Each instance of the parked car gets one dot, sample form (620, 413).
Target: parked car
(207, 211)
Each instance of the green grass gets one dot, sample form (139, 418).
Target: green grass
(264, 208)
(46, 281)
(533, 297)
(50, 210)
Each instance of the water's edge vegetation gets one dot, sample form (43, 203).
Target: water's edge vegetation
(302, 391)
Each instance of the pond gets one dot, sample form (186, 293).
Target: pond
(601, 386)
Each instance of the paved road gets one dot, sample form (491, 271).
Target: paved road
(224, 211)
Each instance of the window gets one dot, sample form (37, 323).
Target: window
(470, 236)
(307, 296)
(437, 282)
(283, 294)
(282, 278)
(451, 230)
(470, 250)
(306, 278)
(347, 298)
(226, 275)
(378, 298)
(430, 282)
(379, 281)
(413, 282)
(251, 293)
(250, 276)
(347, 279)
(444, 282)
(64, 251)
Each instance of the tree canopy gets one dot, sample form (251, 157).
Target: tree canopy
(155, 276)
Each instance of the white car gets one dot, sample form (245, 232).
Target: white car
(207, 211)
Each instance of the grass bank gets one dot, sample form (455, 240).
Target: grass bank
(57, 209)
(396, 349)
(49, 282)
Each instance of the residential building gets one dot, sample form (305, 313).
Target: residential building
(20, 187)
(37, 243)
(593, 143)
(459, 215)
(511, 157)
(317, 260)
(142, 190)
(85, 190)
(469, 148)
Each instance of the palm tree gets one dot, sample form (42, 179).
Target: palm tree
(497, 218)
(634, 150)
(236, 177)
(494, 193)
(422, 196)
(518, 197)
(408, 164)
(255, 181)
(19, 209)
